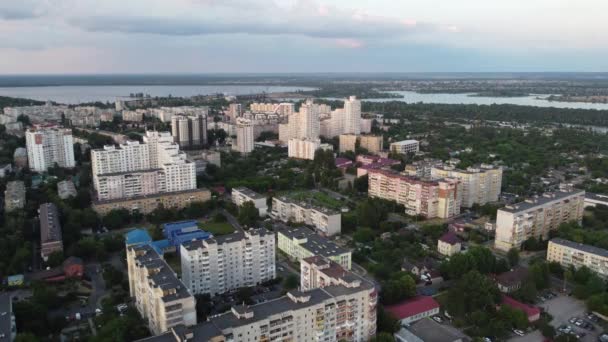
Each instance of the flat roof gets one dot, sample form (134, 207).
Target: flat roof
(541, 200)
(248, 192)
(580, 246)
(157, 195)
(50, 227)
(163, 277)
(428, 330)
(315, 243)
(405, 142)
(306, 205)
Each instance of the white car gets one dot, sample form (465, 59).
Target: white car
(437, 319)
(518, 332)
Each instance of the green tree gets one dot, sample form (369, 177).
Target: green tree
(248, 214)
(383, 337)
(291, 282)
(513, 257)
(26, 337)
(364, 235)
(400, 287)
(471, 293)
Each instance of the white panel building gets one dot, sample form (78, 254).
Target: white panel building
(47, 145)
(228, 262)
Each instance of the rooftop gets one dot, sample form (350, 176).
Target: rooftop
(450, 238)
(137, 236)
(538, 201)
(512, 277)
(315, 243)
(405, 142)
(428, 330)
(50, 228)
(158, 195)
(413, 307)
(248, 192)
(581, 247)
(160, 274)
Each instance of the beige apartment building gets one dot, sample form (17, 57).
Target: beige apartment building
(479, 185)
(372, 143)
(536, 217)
(242, 194)
(300, 242)
(147, 204)
(348, 142)
(159, 296)
(568, 253)
(326, 222)
(439, 198)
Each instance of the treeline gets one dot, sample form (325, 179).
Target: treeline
(502, 112)
(6, 101)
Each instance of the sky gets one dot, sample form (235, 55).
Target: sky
(282, 36)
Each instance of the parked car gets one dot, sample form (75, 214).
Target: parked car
(437, 319)
(518, 332)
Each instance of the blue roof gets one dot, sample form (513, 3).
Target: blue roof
(137, 237)
(189, 236)
(160, 245)
(172, 228)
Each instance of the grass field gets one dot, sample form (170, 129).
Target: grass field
(217, 228)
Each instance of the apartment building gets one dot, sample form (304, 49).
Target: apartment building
(235, 110)
(159, 296)
(8, 325)
(50, 230)
(228, 262)
(14, 196)
(319, 272)
(49, 145)
(165, 114)
(241, 195)
(145, 204)
(348, 142)
(372, 143)
(536, 217)
(405, 146)
(133, 115)
(366, 125)
(325, 221)
(189, 131)
(282, 109)
(438, 198)
(134, 169)
(568, 253)
(352, 116)
(300, 242)
(303, 148)
(479, 185)
(20, 157)
(332, 313)
(244, 137)
(422, 168)
(66, 189)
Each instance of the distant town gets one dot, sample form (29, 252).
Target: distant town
(265, 218)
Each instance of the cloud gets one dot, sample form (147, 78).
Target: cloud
(22, 9)
(303, 18)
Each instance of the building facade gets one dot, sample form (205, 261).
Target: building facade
(326, 222)
(536, 217)
(228, 262)
(300, 242)
(479, 185)
(159, 296)
(405, 146)
(352, 116)
(348, 142)
(303, 148)
(372, 143)
(241, 195)
(568, 253)
(148, 203)
(189, 131)
(439, 198)
(49, 145)
(134, 169)
(244, 137)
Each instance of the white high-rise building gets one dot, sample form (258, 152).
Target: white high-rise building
(228, 262)
(244, 137)
(536, 217)
(134, 169)
(309, 120)
(303, 148)
(352, 116)
(189, 131)
(47, 145)
(480, 185)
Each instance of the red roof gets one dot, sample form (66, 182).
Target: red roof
(529, 310)
(450, 237)
(412, 307)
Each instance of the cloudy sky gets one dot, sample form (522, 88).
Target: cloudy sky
(198, 36)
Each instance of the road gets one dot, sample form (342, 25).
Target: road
(95, 272)
(231, 219)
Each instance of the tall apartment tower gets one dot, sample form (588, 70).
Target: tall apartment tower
(228, 262)
(309, 123)
(244, 137)
(352, 116)
(235, 110)
(189, 131)
(47, 145)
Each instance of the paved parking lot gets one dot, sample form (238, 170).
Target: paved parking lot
(562, 308)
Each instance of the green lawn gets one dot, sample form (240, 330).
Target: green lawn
(217, 228)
